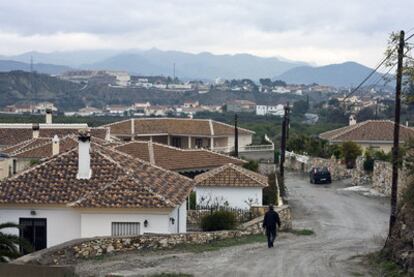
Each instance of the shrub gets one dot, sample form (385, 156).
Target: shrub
(252, 165)
(350, 151)
(218, 220)
(193, 197)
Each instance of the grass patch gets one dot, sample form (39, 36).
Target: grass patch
(302, 232)
(218, 244)
(167, 274)
(381, 266)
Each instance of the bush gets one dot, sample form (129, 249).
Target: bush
(252, 165)
(193, 203)
(350, 151)
(219, 220)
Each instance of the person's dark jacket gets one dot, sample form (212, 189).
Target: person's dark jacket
(270, 220)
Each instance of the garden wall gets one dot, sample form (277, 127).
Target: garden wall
(359, 176)
(382, 178)
(72, 251)
(337, 169)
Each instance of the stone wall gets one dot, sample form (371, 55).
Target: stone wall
(359, 176)
(72, 251)
(336, 167)
(194, 216)
(382, 178)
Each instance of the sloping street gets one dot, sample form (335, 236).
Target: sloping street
(345, 223)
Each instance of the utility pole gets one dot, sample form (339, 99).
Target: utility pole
(287, 121)
(236, 137)
(395, 149)
(285, 127)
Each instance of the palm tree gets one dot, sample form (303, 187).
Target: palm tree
(9, 244)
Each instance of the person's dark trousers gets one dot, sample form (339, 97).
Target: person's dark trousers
(271, 236)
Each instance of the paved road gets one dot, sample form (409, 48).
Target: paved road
(345, 224)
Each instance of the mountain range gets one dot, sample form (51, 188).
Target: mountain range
(204, 66)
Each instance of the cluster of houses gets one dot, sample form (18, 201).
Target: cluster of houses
(145, 109)
(69, 181)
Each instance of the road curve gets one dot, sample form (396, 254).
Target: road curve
(345, 224)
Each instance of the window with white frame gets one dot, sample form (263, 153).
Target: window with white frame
(125, 228)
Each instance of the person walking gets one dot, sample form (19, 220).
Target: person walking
(270, 220)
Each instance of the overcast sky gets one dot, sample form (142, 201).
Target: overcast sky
(314, 31)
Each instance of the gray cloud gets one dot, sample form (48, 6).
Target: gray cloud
(318, 31)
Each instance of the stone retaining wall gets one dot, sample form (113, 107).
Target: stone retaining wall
(70, 252)
(337, 169)
(359, 176)
(382, 178)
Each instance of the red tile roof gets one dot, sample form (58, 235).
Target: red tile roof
(10, 136)
(231, 175)
(177, 159)
(368, 131)
(118, 181)
(173, 126)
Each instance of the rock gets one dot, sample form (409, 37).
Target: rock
(109, 249)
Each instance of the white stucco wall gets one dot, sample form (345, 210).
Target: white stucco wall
(235, 196)
(61, 224)
(180, 218)
(243, 140)
(64, 224)
(99, 224)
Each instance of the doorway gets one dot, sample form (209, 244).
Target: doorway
(34, 231)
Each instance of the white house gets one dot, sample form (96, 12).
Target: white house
(230, 185)
(277, 110)
(182, 132)
(93, 191)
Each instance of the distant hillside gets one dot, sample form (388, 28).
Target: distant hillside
(156, 62)
(8, 65)
(338, 75)
(196, 66)
(16, 88)
(19, 87)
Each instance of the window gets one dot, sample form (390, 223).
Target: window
(176, 142)
(125, 228)
(34, 231)
(199, 142)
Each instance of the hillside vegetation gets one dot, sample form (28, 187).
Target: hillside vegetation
(18, 87)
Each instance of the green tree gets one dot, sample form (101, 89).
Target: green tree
(300, 107)
(252, 165)
(350, 151)
(9, 244)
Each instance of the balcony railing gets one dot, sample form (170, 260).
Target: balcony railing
(248, 148)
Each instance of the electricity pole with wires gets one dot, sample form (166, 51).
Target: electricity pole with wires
(236, 138)
(285, 126)
(395, 149)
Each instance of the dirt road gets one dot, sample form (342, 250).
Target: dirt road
(345, 224)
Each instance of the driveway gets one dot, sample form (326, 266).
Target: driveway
(345, 223)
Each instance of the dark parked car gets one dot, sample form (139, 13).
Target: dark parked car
(320, 175)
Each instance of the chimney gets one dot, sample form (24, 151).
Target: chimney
(35, 129)
(84, 155)
(55, 145)
(48, 116)
(352, 120)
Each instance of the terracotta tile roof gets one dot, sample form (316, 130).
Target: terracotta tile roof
(370, 130)
(118, 181)
(177, 159)
(25, 145)
(173, 126)
(45, 150)
(11, 136)
(231, 175)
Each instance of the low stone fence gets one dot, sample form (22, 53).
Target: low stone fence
(382, 178)
(336, 167)
(194, 216)
(72, 251)
(360, 177)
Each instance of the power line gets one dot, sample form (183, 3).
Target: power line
(376, 68)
